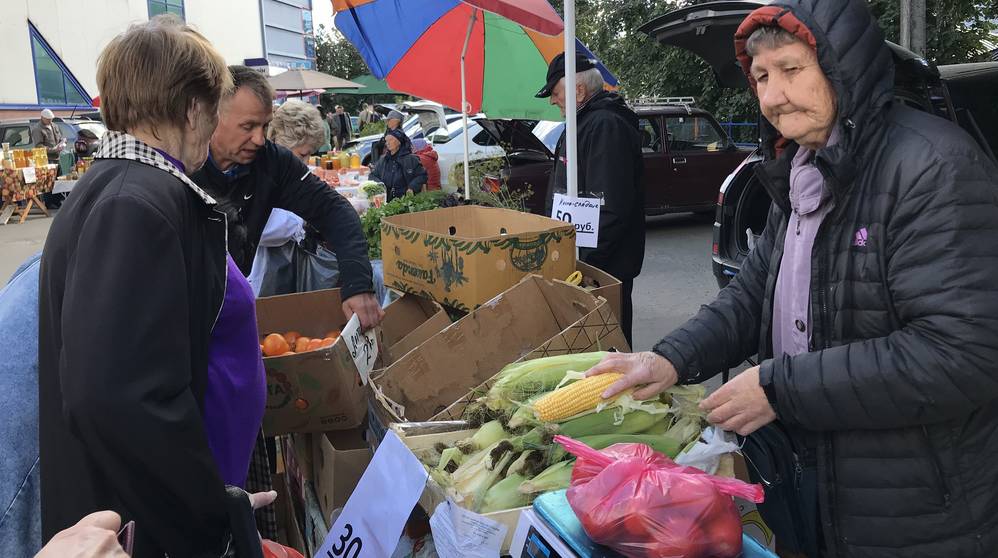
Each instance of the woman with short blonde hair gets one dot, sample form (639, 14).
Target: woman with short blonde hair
(151, 385)
(297, 126)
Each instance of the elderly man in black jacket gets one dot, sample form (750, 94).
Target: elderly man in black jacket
(249, 176)
(610, 167)
(870, 301)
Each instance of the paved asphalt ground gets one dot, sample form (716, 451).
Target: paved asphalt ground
(675, 282)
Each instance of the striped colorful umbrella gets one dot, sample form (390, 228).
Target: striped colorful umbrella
(416, 46)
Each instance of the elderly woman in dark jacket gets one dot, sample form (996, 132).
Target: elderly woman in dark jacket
(151, 385)
(399, 169)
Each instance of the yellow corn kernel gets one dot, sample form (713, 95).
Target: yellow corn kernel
(577, 397)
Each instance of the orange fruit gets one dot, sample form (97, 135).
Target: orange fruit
(328, 342)
(335, 334)
(275, 344)
(301, 345)
(301, 404)
(288, 353)
(314, 344)
(291, 337)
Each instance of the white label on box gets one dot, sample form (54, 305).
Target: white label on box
(581, 212)
(460, 533)
(29, 175)
(375, 515)
(363, 347)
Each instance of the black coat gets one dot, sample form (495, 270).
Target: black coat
(132, 280)
(276, 178)
(900, 390)
(400, 172)
(610, 166)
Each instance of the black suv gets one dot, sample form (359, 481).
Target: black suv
(963, 93)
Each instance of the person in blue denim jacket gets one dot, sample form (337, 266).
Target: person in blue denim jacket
(20, 524)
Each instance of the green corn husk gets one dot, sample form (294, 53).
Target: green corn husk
(504, 495)
(606, 422)
(524, 414)
(450, 457)
(475, 499)
(660, 427)
(488, 434)
(555, 477)
(520, 381)
(473, 472)
(690, 420)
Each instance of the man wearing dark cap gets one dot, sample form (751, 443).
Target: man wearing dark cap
(610, 168)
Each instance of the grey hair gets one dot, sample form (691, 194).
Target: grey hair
(296, 123)
(243, 76)
(592, 79)
(769, 38)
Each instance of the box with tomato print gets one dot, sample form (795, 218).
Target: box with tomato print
(314, 386)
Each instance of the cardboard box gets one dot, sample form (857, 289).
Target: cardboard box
(434, 494)
(536, 318)
(298, 468)
(464, 256)
(340, 459)
(609, 286)
(320, 390)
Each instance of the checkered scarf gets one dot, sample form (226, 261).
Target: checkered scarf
(119, 145)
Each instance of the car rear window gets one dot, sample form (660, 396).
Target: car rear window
(694, 133)
(17, 136)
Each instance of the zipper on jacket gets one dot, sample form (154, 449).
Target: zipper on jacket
(937, 467)
(798, 472)
(225, 264)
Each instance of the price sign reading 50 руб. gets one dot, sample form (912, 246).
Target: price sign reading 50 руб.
(581, 212)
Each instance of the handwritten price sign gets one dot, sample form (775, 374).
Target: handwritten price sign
(363, 347)
(581, 212)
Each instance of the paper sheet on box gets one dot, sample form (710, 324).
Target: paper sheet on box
(459, 533)
(379, 507)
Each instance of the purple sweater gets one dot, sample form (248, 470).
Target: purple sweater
(809, 200)
(237, 390)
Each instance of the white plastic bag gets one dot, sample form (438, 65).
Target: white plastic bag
(706, 453)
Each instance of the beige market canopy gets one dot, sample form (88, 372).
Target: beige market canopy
(302, 80)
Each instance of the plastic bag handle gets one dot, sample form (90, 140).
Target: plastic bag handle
(740, 489)
(579, 449)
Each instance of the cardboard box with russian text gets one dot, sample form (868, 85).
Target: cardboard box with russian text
(535, 318)
(464, 256)
(320, 390)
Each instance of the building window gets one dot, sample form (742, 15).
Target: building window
(54, 83)
(157, 7)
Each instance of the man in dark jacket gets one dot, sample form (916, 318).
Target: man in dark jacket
(870, 301)
(249, 176)
(610, 167)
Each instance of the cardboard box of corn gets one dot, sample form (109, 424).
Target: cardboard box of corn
(510, 458)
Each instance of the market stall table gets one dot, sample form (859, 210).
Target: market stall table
(18, 185)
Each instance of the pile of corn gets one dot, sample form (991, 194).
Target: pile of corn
(511, 458)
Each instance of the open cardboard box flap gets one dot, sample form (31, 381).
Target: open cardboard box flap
(535, 318)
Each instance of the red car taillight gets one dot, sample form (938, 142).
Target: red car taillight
(720, 201)
(715, 249)
(491, 183)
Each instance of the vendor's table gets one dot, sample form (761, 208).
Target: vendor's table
(14, 190)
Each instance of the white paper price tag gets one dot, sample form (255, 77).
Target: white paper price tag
(375, 514)
(581, 212)
(29, 175)
(460, 533)
(363, 347)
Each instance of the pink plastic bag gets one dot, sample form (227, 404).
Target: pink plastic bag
(641, 504)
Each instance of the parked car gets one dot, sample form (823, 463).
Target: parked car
(686, 156)
(425, 118)
(18, 132)
(449, 145)
(963, 93)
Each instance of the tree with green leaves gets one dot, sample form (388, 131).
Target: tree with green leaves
(336, 56)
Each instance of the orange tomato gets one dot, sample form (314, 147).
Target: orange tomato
(275, 344)
(291, 337)
(314, 344)
(288, 353)
(335, 334)
(301, 404)
(328, 342)
(301, 345)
